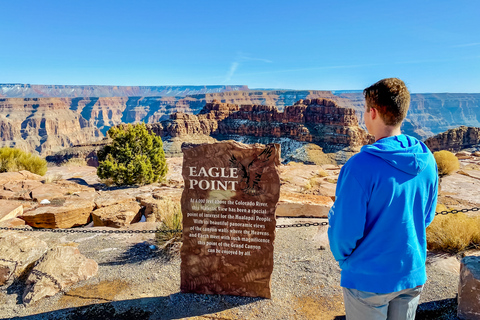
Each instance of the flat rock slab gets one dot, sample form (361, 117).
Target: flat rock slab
(110, 198)
(13, 223)
(10, 209)
(303, 205)
(118, 215)
(18, 253)
(58, 269)
(48, 192)
(7, 177)
(228, 204)
(71, 214)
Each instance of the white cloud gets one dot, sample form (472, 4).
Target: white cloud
(231, 71)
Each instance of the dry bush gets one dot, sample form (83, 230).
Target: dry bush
(12, 159)
(447, 162)
(171, 227)
(52, 178)
(75, 162)
(322, 173)
(453, 233)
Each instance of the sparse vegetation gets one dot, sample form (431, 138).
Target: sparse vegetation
(52, 178)
(322, 173)
(171, 228)
(75, 162)
(447, 162)
(135, 157)
(313, 182)
(453, 233)
(12, 159)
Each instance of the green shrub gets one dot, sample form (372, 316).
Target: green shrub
(453, 233)
(135, 157)
(12, 159)
(447, 162)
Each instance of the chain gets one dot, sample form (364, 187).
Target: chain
(90, 231)
(456, 211)
(295, 225)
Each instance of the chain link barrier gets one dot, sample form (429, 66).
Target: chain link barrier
(282, 226)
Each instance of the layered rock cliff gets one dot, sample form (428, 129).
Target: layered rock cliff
(455, 139)
(44, 127)
(319, 121)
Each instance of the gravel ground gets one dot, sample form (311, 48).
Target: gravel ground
(137, 282)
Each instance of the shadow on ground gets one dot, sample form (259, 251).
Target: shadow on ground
(140, 252)
(435, 310)
(175, 306)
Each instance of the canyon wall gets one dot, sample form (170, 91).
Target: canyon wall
(455, 139)
(44, 127)
(431, 113)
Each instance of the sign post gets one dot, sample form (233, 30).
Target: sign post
(228, 205)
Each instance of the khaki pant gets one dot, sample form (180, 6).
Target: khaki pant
(362, 305)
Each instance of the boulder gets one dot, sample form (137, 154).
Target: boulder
(47, 191)
(118, 215)
(476, 154)
(108, 198)
(468, 293)
(74, 212)
(18, 253)
(10, 209)
(58, 269)
(303, 205)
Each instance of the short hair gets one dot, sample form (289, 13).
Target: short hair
(390, 97)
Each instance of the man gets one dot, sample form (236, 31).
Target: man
(385, 198)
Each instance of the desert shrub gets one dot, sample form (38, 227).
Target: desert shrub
(447, 162)
(12, 159)
(75, 162)
(171, 227)
(322, 173)
(52, 178)
(135, 157)
(453, 233)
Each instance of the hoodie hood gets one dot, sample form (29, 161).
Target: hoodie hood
(402, 152)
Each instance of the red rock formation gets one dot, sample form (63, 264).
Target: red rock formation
(311, 120)
(455, 139)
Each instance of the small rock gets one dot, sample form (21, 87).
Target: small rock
(45, 201)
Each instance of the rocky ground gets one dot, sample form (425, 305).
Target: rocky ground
(138, 280)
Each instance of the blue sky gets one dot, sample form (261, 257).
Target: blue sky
(434, 46)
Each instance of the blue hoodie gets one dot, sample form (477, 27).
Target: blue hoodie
(385, 198)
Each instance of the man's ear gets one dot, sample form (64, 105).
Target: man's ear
(373, 113)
